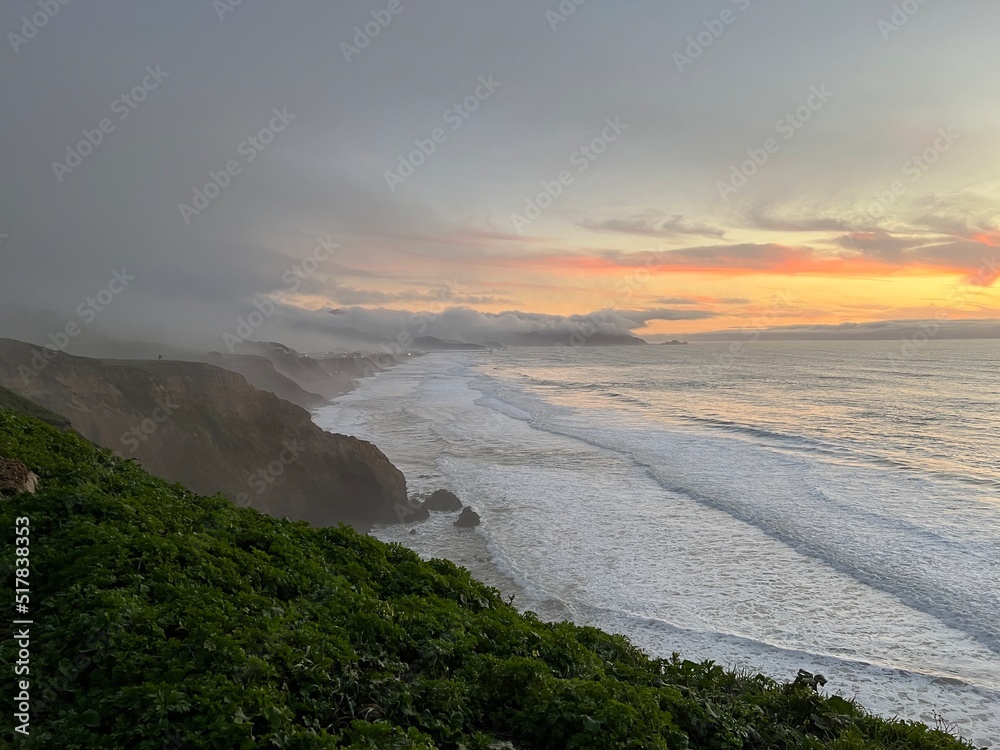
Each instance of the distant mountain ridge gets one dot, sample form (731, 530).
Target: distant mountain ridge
(434, 344)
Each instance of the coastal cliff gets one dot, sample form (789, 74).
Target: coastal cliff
(262, 375)
(329, 376)
(209, 429)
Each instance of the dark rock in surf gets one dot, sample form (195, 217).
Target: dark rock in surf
(443, 500)
(468, 519)
(414, 511)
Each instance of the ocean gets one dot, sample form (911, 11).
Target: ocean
(833, 506)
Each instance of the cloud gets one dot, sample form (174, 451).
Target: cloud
(642, 318)
(378, 327)
(750, 258)
(701, 300)
(676, 301)
(464, 236)
(959, 214)
(864, 255)
(979, 257)
(348, 295)
(650, 226)
(881, 245)
(768, 219)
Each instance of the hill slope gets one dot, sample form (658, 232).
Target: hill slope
(167, 620)
(20, 405)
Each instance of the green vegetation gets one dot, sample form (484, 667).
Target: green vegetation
(168, 620)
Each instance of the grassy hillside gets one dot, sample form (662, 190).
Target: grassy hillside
(168, 620)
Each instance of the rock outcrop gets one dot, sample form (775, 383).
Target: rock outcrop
(415, 511)
(209, 429)
(468, 519)
(16, 478)
(443, 500)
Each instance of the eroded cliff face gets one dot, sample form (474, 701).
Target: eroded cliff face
(260, 373)
(210, 430)
(329, 376)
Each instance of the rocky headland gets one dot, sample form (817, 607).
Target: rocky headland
(208, 428)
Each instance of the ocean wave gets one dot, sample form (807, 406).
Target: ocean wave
(840, 531)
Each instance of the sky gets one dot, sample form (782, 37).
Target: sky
(198, 170)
